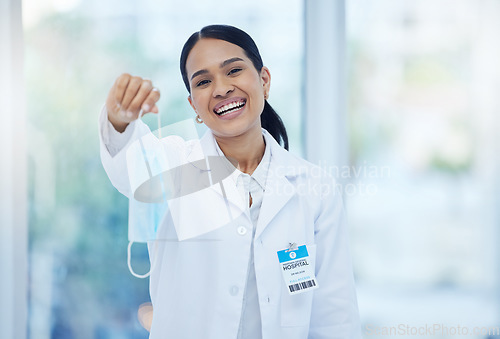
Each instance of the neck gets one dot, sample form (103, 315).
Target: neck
(247, 149)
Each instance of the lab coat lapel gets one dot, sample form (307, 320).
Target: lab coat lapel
(279, 190)
(202, 148)
(206, 148)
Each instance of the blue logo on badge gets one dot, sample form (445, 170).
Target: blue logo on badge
(286, 255)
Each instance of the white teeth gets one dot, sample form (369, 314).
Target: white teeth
(229, 107)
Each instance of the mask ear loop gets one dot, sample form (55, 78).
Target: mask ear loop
(158, 116)
(129, 247)
(129, 263)
(159, 125)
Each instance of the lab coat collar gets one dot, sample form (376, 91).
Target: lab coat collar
(279, 190)
(285, 164)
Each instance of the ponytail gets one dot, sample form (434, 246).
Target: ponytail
(271, 122)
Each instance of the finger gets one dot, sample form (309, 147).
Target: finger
(145, 315)
(155, 109)
(140, 97)
(150, 102)
(133, 87)
(120, 86)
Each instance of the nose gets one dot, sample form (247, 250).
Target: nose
(222, 88)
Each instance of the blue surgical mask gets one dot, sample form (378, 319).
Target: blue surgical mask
(175, 184)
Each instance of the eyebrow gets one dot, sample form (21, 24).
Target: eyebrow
(223, 64)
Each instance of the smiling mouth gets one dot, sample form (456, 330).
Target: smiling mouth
(231, 107)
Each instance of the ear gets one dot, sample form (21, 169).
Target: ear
(191, 103)
(265, 78)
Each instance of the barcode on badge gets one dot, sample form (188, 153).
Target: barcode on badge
(302, 285)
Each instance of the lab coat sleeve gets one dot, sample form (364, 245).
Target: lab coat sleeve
(334, 309)
(113, 149)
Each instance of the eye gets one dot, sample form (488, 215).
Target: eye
(234, 71)
(202, 82)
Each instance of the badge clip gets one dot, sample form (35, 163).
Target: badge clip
(292, 247)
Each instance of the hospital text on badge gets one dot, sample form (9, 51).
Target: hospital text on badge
(297, 271)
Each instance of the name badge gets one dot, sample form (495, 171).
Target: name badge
(297, 271)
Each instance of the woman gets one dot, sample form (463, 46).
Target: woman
(232, 282)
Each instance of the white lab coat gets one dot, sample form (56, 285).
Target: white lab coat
(197, 285)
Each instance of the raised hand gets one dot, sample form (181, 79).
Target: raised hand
(128, 97)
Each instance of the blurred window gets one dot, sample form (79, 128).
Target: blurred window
(423, 110)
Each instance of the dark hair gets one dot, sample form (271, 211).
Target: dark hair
(269, 119)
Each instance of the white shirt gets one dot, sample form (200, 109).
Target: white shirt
(254, 186)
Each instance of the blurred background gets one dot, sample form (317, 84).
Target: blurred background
(420, 107)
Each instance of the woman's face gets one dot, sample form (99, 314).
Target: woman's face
(227, 92)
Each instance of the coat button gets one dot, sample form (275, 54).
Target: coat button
(242, 230)
(233, 290)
